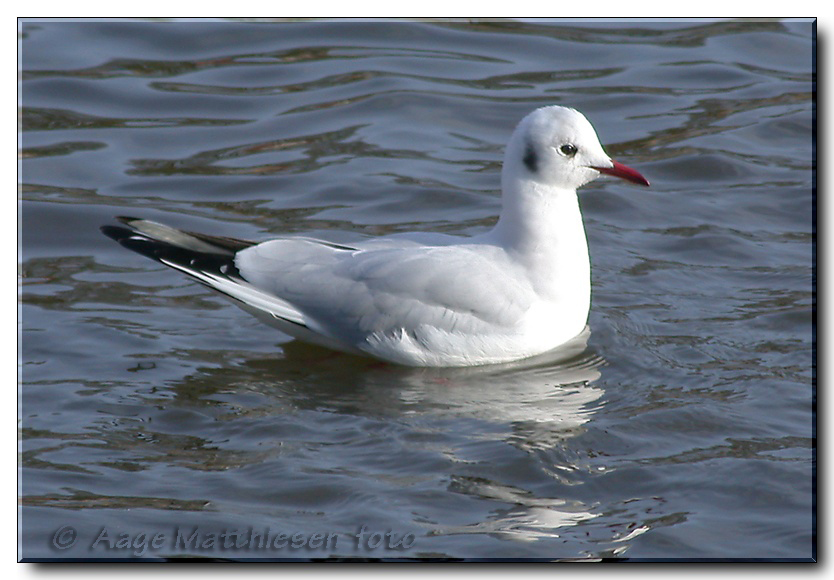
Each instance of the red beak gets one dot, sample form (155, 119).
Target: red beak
(623, 171)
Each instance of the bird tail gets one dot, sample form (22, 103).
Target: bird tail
(175, 247)
(209, 260)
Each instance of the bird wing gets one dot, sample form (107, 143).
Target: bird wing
(209, 260)
(383, 289)
(367, 297)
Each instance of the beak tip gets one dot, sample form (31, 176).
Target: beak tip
(624, 172)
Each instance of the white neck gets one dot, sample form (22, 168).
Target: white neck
(541, 227)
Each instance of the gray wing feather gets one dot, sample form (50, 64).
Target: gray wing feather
(351, 294)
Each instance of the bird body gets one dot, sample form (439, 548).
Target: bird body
(519, 290)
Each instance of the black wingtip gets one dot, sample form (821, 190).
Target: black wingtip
(136, 242)
(131, 238)
(119, 233)
(116, 232)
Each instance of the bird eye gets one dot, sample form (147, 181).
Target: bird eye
(568, 149)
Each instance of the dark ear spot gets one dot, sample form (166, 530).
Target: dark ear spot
(531, 159)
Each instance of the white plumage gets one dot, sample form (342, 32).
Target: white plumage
(426, 299)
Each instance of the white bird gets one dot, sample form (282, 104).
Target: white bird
(427, 299)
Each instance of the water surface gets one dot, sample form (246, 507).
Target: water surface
(680, 426)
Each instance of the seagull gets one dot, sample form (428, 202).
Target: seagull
(425, 299)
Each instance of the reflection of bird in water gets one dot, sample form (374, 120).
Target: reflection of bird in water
(555, 388)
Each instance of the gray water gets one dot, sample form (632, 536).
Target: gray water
(158, 420)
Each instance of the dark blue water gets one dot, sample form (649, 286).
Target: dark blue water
(158, 420)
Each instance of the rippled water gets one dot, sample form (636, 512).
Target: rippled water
(680, 427)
